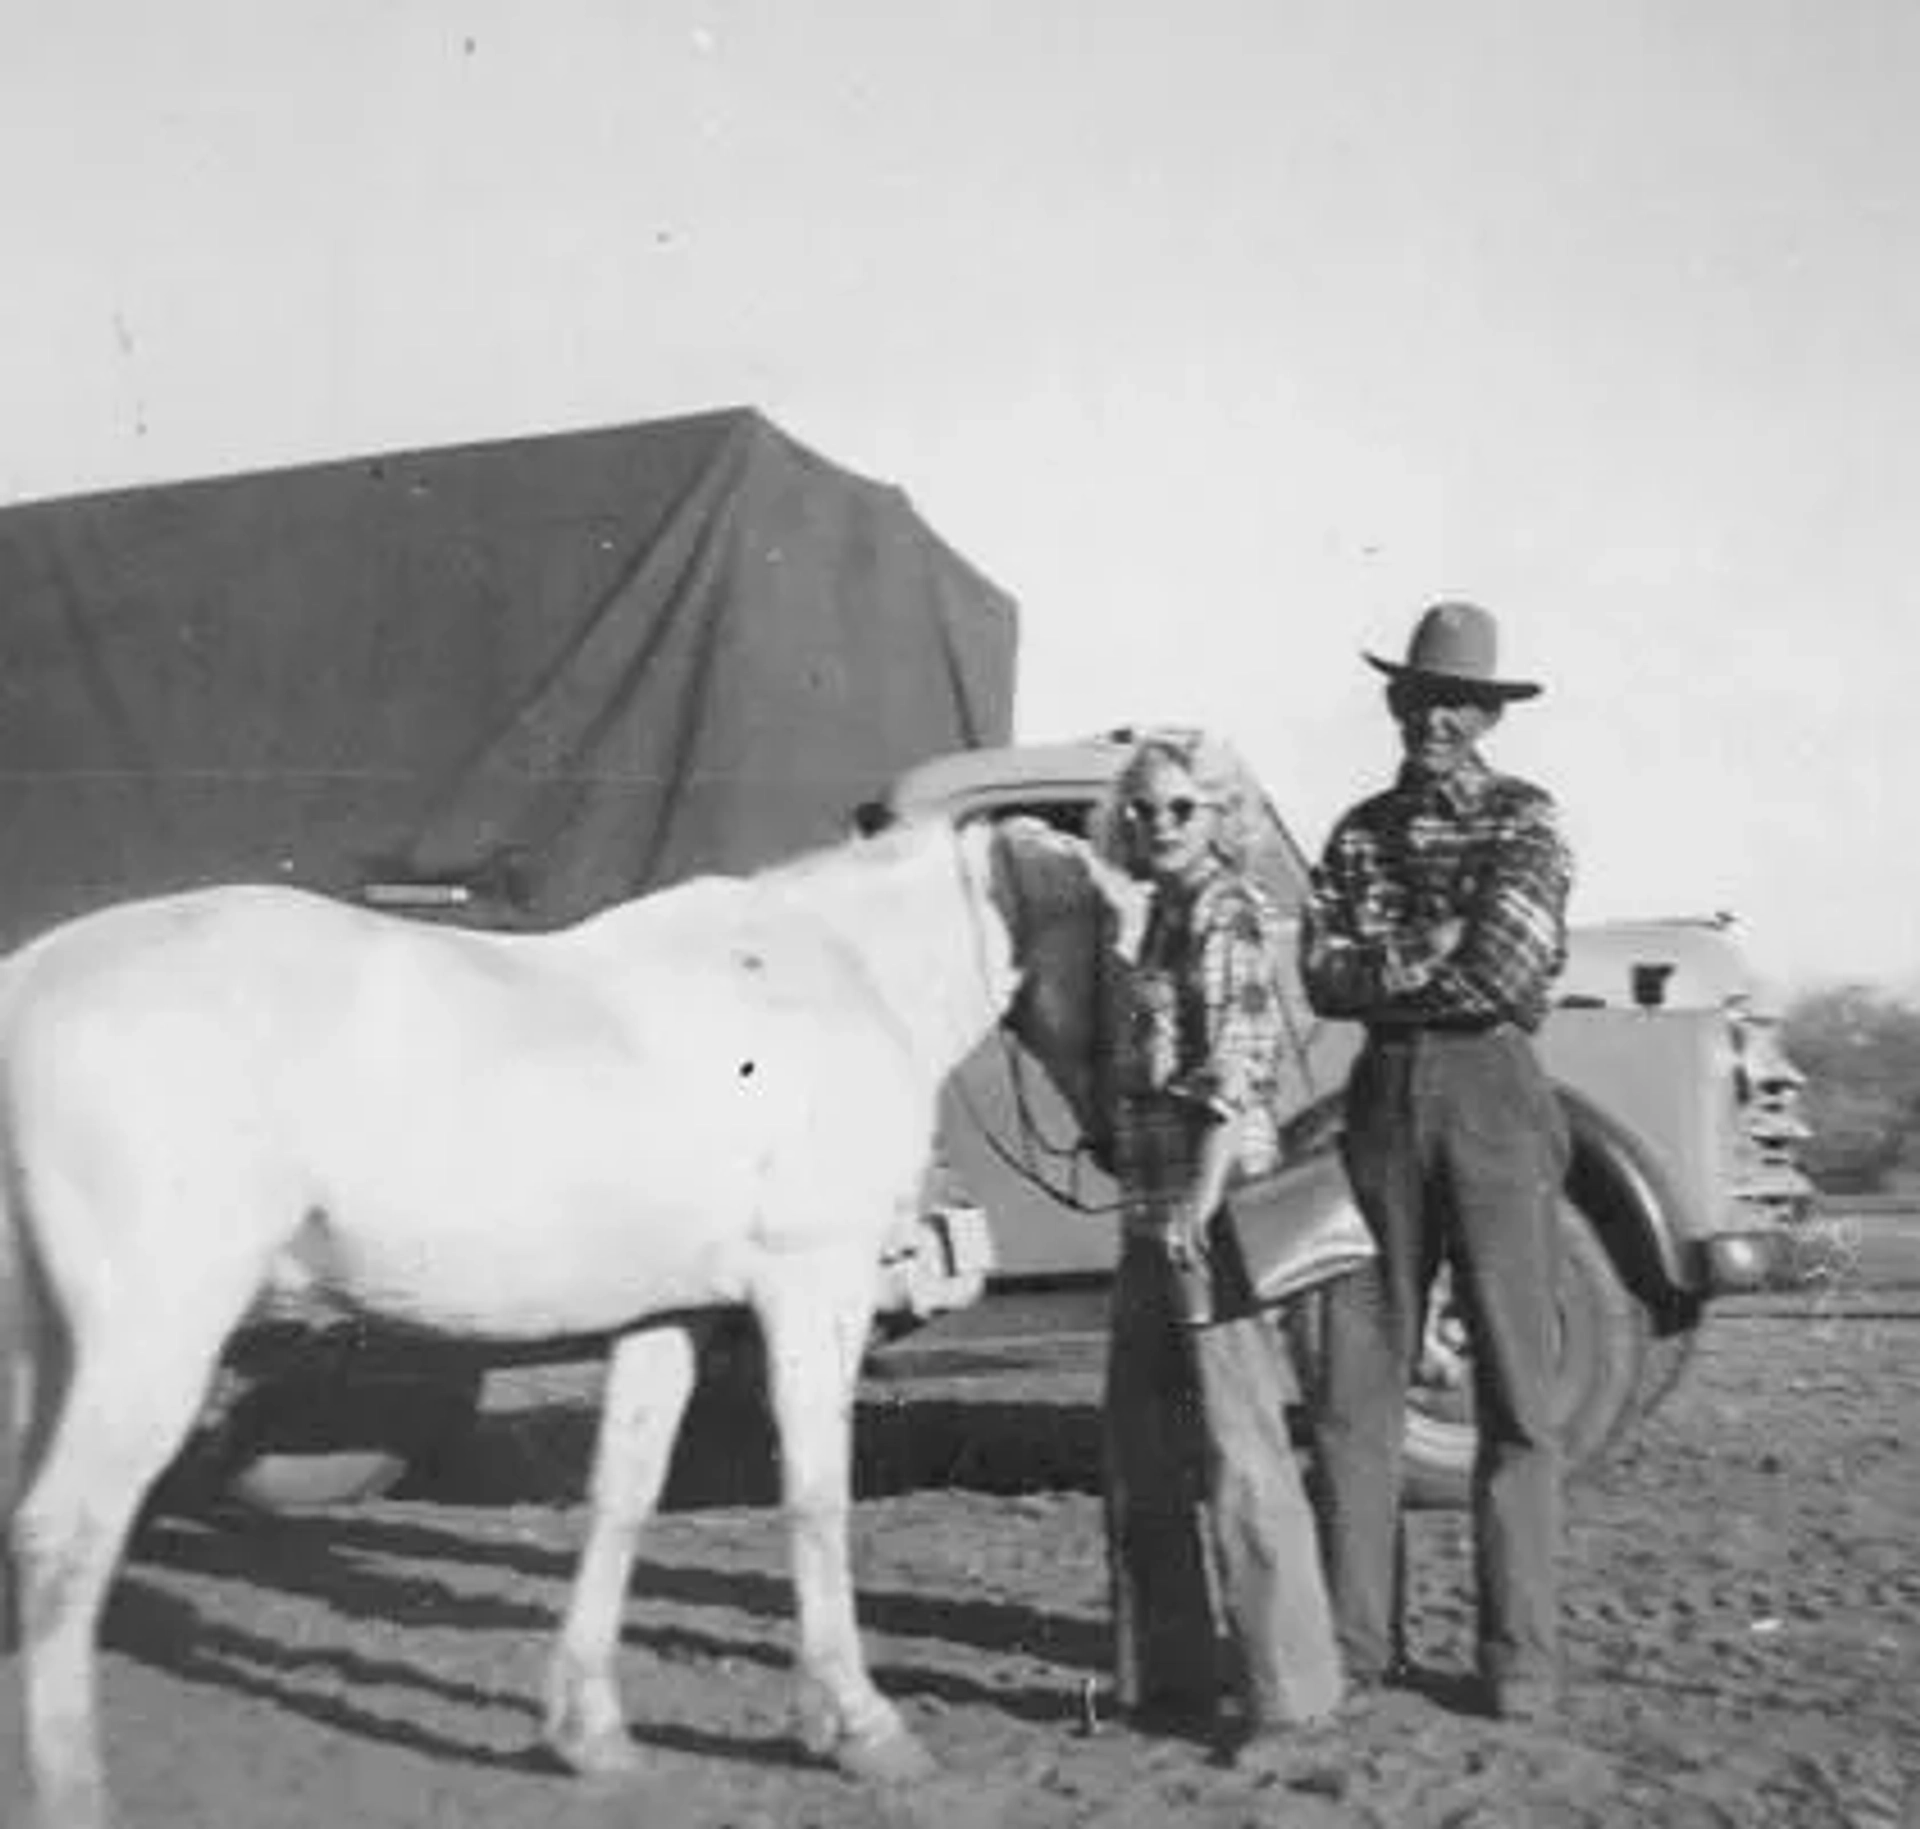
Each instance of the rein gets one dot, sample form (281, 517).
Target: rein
(1036, 1141)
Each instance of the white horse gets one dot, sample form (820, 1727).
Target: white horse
(720, 1094)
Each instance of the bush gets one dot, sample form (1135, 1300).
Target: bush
(1860, 1051)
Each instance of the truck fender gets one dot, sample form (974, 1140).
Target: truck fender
(1629, 1201)
(1611, 1177)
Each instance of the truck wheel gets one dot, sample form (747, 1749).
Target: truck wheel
(1603, 1371)
(317, 1482)
(1603, 1346)
(295, 1446)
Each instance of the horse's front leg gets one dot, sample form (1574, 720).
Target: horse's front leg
(815, 1325)
(650, 1377)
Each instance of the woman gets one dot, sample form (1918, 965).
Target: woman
(1209, 1531)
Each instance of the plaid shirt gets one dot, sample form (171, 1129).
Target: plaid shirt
(1193, 1037)
(1485, 849)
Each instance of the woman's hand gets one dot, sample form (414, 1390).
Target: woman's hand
(1219, 1148)
(1187, 1234)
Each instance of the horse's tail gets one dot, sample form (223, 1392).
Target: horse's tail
(16, 1399)
(26, 1377)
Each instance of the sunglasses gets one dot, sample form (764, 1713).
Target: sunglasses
(1179, 808)
(1405, 697)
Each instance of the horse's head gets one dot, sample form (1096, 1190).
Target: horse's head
(1040, 912)
(1069, 914)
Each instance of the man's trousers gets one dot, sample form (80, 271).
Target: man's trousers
(1456, 1147)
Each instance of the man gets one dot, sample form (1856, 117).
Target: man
(1437, 919)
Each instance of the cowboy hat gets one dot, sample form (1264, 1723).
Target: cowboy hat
(1456, 644)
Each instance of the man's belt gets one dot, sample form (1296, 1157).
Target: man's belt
(1391, 1027)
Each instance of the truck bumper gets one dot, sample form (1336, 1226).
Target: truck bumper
(939, 1263)
(1741, 1263)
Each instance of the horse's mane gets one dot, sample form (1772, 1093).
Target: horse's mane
(860, 872)
(891, 845)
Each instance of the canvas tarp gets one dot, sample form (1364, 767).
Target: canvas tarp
(570, 668)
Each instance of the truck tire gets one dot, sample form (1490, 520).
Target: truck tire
(294, 1445)
(1604, 1348)
(1603, 1343)
(293, 1483)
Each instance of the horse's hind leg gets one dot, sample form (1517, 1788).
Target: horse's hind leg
(649, 1381)
(32, 1379)
(138, 1368)
(816, 1327)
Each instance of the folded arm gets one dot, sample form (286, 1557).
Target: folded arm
(1493, 957)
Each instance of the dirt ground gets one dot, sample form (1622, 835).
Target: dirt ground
(1742, 1599)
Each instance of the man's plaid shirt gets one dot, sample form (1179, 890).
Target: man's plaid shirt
(1483, 848)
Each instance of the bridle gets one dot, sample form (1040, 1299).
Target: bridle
(1073, 1155)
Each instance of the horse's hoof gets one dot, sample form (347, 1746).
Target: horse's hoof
(608, 1758)
(893, 1758)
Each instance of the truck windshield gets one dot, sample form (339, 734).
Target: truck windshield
(1278, 862)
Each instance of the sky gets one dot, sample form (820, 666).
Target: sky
(1225, 335)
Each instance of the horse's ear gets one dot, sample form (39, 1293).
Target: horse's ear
(1024, 834)
(1075, 872)
(1033, 854)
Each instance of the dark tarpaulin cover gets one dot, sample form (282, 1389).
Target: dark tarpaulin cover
(568, 668)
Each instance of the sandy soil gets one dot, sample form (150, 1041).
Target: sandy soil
(1743, 1602)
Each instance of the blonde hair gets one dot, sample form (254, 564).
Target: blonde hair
(1222, 778)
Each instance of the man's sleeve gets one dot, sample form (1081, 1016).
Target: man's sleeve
(1515, 939)
(1345, 972)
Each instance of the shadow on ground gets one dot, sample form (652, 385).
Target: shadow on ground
(424, 1571)
(726, 1454)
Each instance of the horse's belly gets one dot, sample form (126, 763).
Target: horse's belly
(582, 1215)
(577, 1261)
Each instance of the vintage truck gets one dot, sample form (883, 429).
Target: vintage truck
(1682, 1103)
